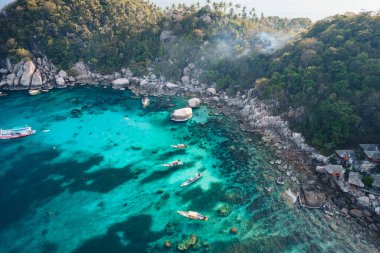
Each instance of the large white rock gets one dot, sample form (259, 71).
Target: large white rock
(363, 201)
(18, 68)
(79, 71)
(211, 91)
(28, 70)
(62, 73)
(36, 79)
(120, 82)
(194, 102)
(185, 80)
(182, 114)
(9, 65)
(10, 79)
(171, 85)
(59, 81)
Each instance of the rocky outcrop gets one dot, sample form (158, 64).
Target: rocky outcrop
(356, 213)
(10, 78)
(194, 102)
(171, 86)
(59, 81)
(36, 79)
(166, 36)
(314, 199)
(363, 201)
(80, 72)
(182, 114)
(120, 82)
(62, 74)
(27, 73)
(211, 91)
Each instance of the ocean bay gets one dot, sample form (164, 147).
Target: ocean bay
(94, 181)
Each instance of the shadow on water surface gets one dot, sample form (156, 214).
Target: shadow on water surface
(27, 185)
(132, 235)
(202, 200)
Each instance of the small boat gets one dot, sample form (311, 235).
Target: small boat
(145, 101)
(193, 215)
(173, 164)
(2, 94)
(46, 131)
(192, 180)
(280, 180)
(34, 92)
(16, 133)
(181, 146)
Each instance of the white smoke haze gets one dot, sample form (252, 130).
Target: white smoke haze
(228, 48)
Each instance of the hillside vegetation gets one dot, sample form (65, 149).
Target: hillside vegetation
(331, 80)
(104, 33)
(109, 34)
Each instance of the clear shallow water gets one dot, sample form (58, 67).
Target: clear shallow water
(94, 183)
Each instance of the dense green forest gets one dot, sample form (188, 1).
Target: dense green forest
(109, 34)
(325, 77)
(331, 75)
(104, 33)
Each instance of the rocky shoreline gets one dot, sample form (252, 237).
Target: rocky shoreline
(253, 114)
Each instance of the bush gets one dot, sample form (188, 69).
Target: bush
(367, 180)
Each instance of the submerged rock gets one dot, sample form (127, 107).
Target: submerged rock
(168, 244)
(187, 243)
(182, 114)
(224, 210)
(233, 230)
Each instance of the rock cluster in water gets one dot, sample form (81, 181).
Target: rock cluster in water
(224, 210)
(186, 243)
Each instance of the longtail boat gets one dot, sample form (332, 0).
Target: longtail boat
(173, 164)
(193, 215)
(181, 146)
(192, 180)
(14, 133)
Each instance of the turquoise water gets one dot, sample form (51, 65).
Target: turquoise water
(94, 182)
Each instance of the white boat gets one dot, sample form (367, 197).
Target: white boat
(173, 164)
(181, 146)
(193, 215)
(15, 133)
(192, 180)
